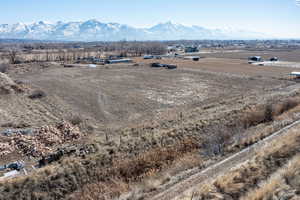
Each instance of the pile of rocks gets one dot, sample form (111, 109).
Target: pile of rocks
(43, 141)
(60, 134)
(5, 148)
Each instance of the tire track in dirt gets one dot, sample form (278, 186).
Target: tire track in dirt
(218, 168)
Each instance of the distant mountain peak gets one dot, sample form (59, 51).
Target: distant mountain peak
(169, 23)
(95, 30)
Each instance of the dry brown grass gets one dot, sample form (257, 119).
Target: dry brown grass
(56, 183)
(276, 115)
(156, 159)
(102, 190)
(237, 182)
(142, 170)
(110, 174)
(283, 183)
(267, 112)
(133, 189)
(150, 167)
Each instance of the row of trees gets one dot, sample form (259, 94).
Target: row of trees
(17, 53)
(135, 48)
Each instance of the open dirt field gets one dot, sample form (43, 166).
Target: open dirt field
(119, 94)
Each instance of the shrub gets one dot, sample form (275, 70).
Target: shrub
(76, 120)
(269, 113)
(266, 113)
(253, 117)
(37, 94)
(260, 114)
(290, 103)
(286, 105)
(18, 62)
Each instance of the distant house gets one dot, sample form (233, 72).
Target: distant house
(191, 49)
(171, 48)
(89, 59)
(119, 61)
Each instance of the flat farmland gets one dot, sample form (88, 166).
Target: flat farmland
(118, 94)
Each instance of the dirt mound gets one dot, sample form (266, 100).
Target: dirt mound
(8, 86)
(42, 141)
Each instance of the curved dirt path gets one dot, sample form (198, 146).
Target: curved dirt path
(218, 168)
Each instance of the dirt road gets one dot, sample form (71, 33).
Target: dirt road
(176, 191)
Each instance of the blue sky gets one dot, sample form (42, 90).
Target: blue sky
(281, 18)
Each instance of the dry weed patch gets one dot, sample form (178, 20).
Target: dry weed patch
(138, 156)
(236, 183)
(283, 184)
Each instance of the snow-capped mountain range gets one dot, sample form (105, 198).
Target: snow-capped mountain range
(94, 30)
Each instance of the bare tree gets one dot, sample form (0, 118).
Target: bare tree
(12, 54)
(47, 55)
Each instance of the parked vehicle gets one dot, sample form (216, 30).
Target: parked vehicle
(171, 66)
(163, 65)
(18, 165)
(274, 59)
(194, 58)
(156, 65)
(148, 57)
(253, 59)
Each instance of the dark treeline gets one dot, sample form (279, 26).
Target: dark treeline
(16, 52)
(132, 47)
